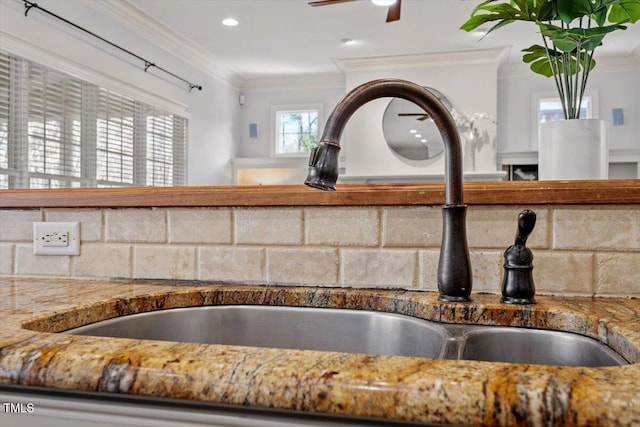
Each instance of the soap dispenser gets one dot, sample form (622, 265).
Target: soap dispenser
(517, 285)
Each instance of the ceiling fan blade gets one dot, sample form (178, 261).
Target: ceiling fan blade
(394, 11)
(328, 2)
(421, 116)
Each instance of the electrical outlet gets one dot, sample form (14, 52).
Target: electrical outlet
(56, 238)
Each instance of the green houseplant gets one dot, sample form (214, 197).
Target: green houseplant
(571, 30)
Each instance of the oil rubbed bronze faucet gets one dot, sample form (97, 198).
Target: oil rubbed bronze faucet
(517, 284)
(454, 267)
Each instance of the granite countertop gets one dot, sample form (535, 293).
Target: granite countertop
(400, 388)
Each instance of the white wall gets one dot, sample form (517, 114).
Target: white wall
(615, 82)
(469, 83)
(213, 133)
(213, 114)
(261, 96)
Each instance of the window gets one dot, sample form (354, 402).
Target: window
(53, 129)
(550, 109)
(546, 107)
(57, 131)
(296, 130)
(4, 120)
(165, 161)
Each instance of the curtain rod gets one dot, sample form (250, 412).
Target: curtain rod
(147, 64)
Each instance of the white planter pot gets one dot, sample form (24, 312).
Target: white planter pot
(573, 149)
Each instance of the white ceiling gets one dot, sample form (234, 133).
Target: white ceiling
(277, 38)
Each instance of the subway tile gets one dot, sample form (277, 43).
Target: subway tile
(105, 260)
(301, 266)
(135, 225)
(90, 221)
(563, 272)
(378, 268)
(496, 227)
(6, 258)
(428, 269)
(17, 225)
(268, 226)
(164, 262)
(342, 246)
(231, 264)
(487, 269)
(584, 227)
(411, 226)
(28, 264)
(618, 274)
(342, 226)
(199, 225)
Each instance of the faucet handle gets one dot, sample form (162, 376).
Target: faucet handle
(313, 156)
(517, 284)
(526, 223)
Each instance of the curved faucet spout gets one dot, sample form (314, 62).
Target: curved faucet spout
(454, 268)
(326, 155)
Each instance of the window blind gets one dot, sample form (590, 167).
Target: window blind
(115, 139)
(57, 131)
(165, 150)
(4, 120)
(53, 129)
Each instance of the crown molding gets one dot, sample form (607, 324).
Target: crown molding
(438, 59)
(160, 35)
(295, 82)
(605, 64)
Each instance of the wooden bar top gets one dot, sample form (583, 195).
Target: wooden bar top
(475, 193)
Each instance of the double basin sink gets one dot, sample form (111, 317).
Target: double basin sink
(356, 331)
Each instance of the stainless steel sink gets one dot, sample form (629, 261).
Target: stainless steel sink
(535, 346)
(325, 329)
(355, 331)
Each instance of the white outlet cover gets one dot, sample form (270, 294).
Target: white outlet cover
(42, 229)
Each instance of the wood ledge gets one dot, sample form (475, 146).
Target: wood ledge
(475, 193)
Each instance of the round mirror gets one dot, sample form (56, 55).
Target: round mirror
(409, 131)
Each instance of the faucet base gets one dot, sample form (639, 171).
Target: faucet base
(447, 298)
(510, 300)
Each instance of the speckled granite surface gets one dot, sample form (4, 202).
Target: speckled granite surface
(414, 389)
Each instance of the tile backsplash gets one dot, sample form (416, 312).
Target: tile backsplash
(578, 250)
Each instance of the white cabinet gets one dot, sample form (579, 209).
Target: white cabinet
(520, 166)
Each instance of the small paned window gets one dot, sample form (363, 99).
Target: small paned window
(296, 131)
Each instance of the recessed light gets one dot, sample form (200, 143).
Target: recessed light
(348, 42)
(383, 2)
(417, 135)
(230, 22)
(413, 131)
